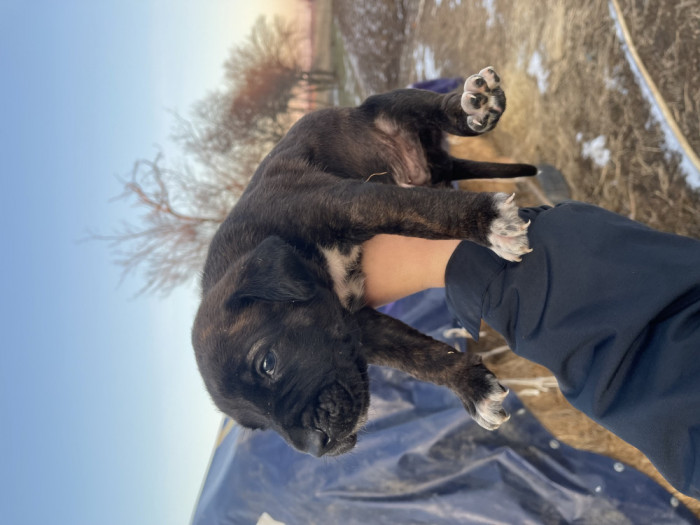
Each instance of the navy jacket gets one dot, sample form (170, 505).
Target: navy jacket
(612, 308)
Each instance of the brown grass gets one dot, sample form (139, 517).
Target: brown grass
(590, 92)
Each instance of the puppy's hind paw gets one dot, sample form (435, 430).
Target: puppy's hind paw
(483, 100)
(508, 233)
(490, 413)
(480, 392)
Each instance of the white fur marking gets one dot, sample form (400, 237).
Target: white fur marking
(508, 236)
(344, 285)
(489, 411)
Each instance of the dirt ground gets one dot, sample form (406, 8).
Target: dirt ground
(574, 102)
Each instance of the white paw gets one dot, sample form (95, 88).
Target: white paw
(490, 414)
(508, 235)
(483, 100)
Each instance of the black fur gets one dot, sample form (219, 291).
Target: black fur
(282, 337)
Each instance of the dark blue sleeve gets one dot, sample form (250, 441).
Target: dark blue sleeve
(612, 308)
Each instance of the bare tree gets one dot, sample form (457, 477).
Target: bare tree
(268, 86)
(228, 135)
(181, 210)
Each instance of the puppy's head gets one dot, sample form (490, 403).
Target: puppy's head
(278, 351)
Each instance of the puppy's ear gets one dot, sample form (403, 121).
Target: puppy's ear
(274, 272)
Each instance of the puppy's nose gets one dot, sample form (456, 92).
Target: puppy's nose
(317, 443)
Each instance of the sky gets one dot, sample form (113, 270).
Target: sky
(103, 416)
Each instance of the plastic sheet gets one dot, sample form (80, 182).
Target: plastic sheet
(422, 460)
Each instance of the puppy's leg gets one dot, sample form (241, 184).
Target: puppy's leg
(474, 111)
(490, 219)
(357, 211)
(389, 342)
(462, 169)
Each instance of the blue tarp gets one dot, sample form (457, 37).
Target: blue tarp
(422, 460)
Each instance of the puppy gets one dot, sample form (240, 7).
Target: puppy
(283, 336)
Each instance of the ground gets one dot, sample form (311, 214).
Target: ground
(575, 100)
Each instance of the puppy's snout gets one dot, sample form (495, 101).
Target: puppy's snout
(335, 408)
(317, 443)
(333, 423)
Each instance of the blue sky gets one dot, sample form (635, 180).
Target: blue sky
(103, 417)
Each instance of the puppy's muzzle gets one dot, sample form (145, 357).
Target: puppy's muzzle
(335, 418)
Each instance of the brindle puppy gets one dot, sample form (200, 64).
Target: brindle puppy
(283, 336)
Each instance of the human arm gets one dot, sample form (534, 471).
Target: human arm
(396, 266)
(610, 306)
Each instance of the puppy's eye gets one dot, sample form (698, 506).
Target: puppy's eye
(268, 364)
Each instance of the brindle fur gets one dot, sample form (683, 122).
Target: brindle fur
(283, 283)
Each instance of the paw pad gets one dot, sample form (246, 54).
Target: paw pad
(483, 100)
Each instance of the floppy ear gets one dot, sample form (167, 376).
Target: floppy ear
(275, 272)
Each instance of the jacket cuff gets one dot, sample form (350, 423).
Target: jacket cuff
(468, 275)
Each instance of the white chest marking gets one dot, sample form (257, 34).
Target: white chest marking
(348, 281)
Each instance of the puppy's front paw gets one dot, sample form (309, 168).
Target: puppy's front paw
(490, 413)
(508, 232)
(483, 100)
(481, 393)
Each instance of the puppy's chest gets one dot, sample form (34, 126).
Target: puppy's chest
(344, 267)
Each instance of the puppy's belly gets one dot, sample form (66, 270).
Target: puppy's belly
(407, 162)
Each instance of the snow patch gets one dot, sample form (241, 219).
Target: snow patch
(692, 174)
(491, 11)
(613, 81)
(535, 68)
(426, 66)
(450, 4)
(595, 150)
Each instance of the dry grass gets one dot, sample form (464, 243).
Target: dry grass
(590, 92)
(667, 38)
